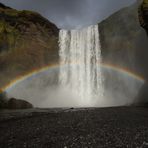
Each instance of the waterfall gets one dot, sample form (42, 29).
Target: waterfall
(80, 63)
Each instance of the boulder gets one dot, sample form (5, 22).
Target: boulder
(18, 104)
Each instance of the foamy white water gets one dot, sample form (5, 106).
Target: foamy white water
(80, 51)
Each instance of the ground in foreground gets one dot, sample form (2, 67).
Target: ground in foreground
(66, 128)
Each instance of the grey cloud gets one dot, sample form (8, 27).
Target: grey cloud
(71, 13)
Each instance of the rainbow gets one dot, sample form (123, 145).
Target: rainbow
(34, 72)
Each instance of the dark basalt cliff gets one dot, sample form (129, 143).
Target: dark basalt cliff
(143, 15)
(143, 19)
(124, 42)
(28, 41)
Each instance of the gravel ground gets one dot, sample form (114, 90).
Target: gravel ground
(119, 127)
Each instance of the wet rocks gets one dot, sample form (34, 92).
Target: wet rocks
(18, 104)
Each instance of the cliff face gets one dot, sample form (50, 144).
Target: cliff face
(143, 15)
(124, 42)
(27, 42)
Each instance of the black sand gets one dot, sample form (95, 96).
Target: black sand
(121, 127)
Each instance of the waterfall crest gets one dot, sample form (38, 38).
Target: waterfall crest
(80, 54)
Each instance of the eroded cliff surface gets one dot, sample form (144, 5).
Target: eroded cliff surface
(124, 42)
(28, 41)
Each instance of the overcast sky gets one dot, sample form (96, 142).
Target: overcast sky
(71, 13)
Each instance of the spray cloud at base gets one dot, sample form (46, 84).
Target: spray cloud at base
(42, 89)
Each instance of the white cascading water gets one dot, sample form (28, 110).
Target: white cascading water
(80, 55)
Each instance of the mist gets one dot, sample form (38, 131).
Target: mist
(42, 90)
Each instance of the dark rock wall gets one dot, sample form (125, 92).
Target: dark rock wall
(27, 42)
(143, 15)
(124, 42)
